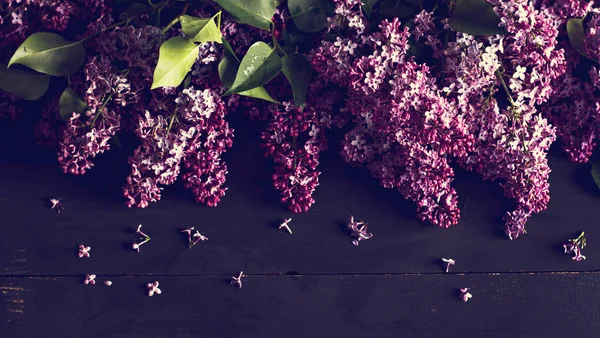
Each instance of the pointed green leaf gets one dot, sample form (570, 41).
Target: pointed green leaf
(230, 50)
(309, 16)
(71, 103)
(260, 64)
(298, 70)
(596, 174)
(577, 35)
(176, 57)
(50, 54)
(257, 13)
(202, 29)
(228, 68)
(23, 82)
(475, 17)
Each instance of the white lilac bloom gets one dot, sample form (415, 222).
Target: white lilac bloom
(90, 279)
(56, 205)
(84, 251)
(465, 295)
(285, 225)
(448, 261)
(574, 246)
(359, 230)
(153, 289)
(237, 280)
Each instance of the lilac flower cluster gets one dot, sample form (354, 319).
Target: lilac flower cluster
(404, 130)
(86, 136)
(574, 107)
(495, 84)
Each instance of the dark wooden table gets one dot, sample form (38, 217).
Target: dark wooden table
(313, 283)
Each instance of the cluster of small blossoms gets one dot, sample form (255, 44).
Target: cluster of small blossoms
(194, 133)
(403, 129)
(495, 84)
(294, 138)
(84, 137)
(574, 107)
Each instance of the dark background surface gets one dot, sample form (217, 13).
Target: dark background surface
(313, 283)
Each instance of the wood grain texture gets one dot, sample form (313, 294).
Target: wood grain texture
(512, 305)
(242, 229)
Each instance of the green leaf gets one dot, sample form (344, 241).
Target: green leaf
(70, 103)
(133, 10)
(260, 64)
(257, 13)
(230, 50)
(309, 16)
(23, 82)
(50, 54)
(202, 30)
(577, 35)
(298, 70)
(475, 17)
(596, 174)
(176, 57)
(228, 68)
(292, 37)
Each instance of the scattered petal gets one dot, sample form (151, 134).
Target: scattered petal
(108, 283)
(237, 280)
(448, 261)
(285, 225)
(84, 251)
(359, 230)
(56, 205)
(153, 289)
(465, 295)
(90, 279)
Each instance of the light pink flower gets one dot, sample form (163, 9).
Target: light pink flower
(153, 289)
(465, 295)
(448, 261)
(56, 205)
(237, 280)
(90, 279)
(84, 251)
(198, 237)
(285, 225)
(359, 230)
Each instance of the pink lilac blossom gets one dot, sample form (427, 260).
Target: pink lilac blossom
(574, 107)
(105, 90)
(56, 205)
(465, 295)
(574, 246)
(359, 230)
(510, 143)
(237, 280)
(448, 262)
(90, 279)
(153, 289)
(84, 251)
(285, 225)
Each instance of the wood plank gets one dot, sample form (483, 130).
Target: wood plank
(510, 305)
(242, 229)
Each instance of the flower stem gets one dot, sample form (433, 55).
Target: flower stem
(177, 18)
